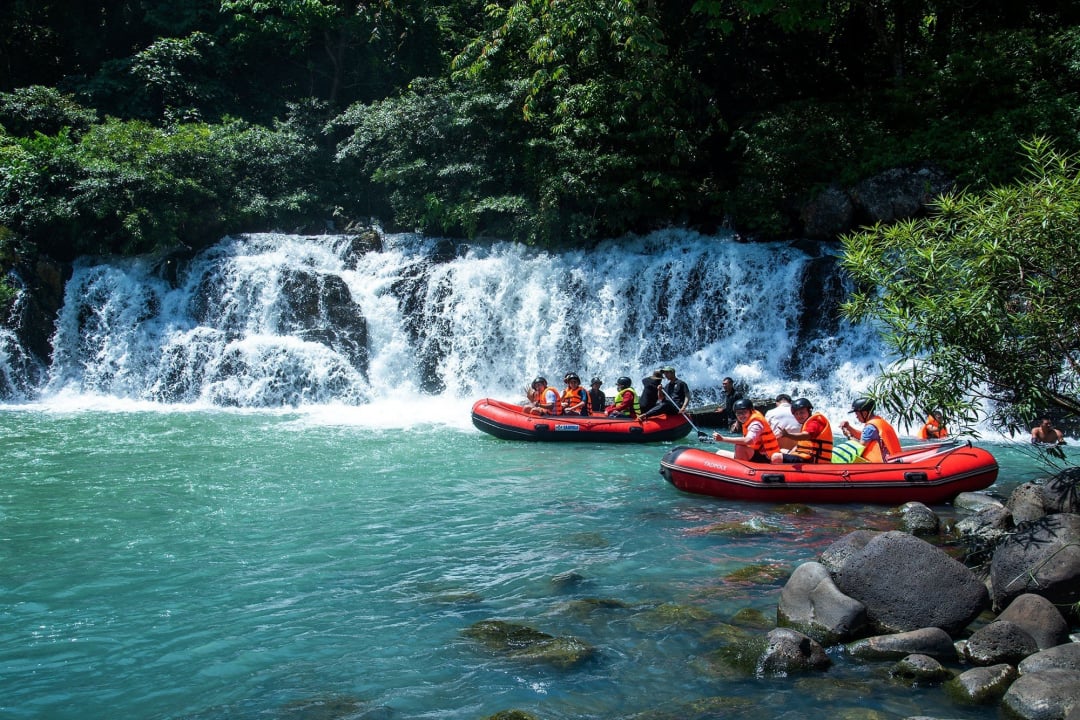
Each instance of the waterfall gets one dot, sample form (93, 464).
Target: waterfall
(273, 320)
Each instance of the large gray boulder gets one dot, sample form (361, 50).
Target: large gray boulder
(812, 604)
(1026, 503)
(1062, 657)
(898, 193)
(1061, 494)
(840, 551)
(907, 583)
(999, 642)
(1044, 695)
(1039, 617)
(1041, 558)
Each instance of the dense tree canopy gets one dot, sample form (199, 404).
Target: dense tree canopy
(549, 122)
(979, 299)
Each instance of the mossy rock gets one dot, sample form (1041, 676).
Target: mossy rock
(329, 708)
(511, 715)
(672, 614)
(726, 633)
(521, 642)
(739, 658)
(759, 574)
(795, 509)
(704, 709)
(830, 690)
(587, 606)
(754, 527)
(567, 580)
(753, 618)
(857, 713)
(588, 540)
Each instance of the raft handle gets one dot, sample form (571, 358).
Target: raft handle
(772, 477)
(915, 476)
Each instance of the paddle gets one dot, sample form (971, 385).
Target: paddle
(702, 436)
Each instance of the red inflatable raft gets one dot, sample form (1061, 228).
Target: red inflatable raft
(506, 420)
(928, 474)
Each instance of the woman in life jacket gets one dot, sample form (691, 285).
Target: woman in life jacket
(574, 400)
(934, 427)
(758, 443)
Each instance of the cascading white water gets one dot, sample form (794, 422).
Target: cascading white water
(282, 320)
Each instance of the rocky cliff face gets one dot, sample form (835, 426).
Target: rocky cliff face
(886, 197)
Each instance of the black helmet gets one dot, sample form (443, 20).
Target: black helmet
(862, 404)
(539, 380)
(571, 376)
(742, 404)
(802, 404)
(623, 382)
(596, 381)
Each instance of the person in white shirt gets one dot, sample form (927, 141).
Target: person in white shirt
(781, 417)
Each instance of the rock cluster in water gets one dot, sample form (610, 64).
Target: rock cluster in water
(891, 596)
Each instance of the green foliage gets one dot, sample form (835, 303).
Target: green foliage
(447, 156)
(128, 187)
(25, 111)
(783, 156)
(978, 300)
(609, 147)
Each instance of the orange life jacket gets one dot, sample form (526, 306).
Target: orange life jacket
(573, 396)
(933, 429)
(817, 449)
(542, 399)
(891, 442)
(766, 441)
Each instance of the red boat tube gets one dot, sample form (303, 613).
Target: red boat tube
(929, 474)
(508, 421)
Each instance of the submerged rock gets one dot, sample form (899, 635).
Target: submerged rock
(921, 670)
(521, 642)
(789, 651)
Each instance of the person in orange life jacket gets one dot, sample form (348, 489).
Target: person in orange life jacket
(813, 441)
(758, 444)
(934, 427)
(626, 400)
(878, 437)
(597, 399)
(574, 400)
(650, 391)
(543, 399)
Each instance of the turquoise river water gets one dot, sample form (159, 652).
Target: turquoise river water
(214, 564)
